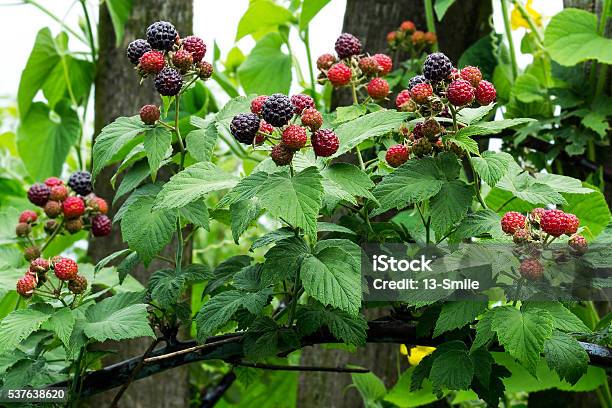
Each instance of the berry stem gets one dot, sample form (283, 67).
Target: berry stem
(56, 19)
(178, 131)
(52, 237)
(429, 18)
(508, 30)
(476, 183)
(361, 164)
(354, 93)
(306, 39)
(90, 36)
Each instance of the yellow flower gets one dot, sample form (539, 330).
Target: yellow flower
(517, 20)
(416, 353)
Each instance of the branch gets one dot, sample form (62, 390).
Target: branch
(281, 367)
(214, 394)
(229, 348)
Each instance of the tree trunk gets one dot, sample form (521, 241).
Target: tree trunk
(370, 21)
(118, 93)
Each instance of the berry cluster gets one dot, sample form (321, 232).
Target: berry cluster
(274, 119)
(441, 91)
(407, 38)
(351, 67)
(171, 60)
(37, 281)
(536, 231)
(68, 208)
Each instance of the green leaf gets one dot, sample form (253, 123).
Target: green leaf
(166, 285)
(192, 184)
(225, 271)
(61, 323)
(523, 333)
(267, 69)
(196, 213)
(116, 139)
(571, 37)
(562, 184)
(117, 318)
(563, 318)
(490, 128)
(350, 178)
(332, 274)
(201, 142)
(331, 227)
(528, 89)
(478, 223)
(132, 179)
(220, 309)
(592, 210)
(374, 124)
(243, 214)
(484, 332)
(260, 16)
(126, 266)
(564, 354)
(453, 370)
(412, 182)
(492, 166)
(145, 230)
(527, 188)
(473, 115)
(450, 205)
(455, 315)
(283, 260)
(441, 6)
(119, 11)
(347, 113)
(158, 145)
(465, 142)
(18, 325)
(371, 388)
(264, 338)
(49, 135)
(296, 199)
(272, 237)
(310, 8)
(246, 188)
(344, 327)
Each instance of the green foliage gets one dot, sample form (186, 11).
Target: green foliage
(267, 69)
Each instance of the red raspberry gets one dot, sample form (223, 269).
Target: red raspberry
(195, 46)
(578, 243)
(385, 63)
(554, 222)
(98, 204)
(182, 60)
(294, 137)
(205, 69)
(378, 88)
(402, 99)
(312, 118)
(53, 181)
(38, 194)
(28, 216)
(26, 285)
(281, 155)
(65, 268)
(421, 93)
(572, 223)
(325, 142)
(78, 285)
(407, 26)
(74, 225)
(460, 93)
(472, 75)
(31, 253)
(521, 235)
(257, 104)
(531, 269)
(512, 221)
(266, 128)
(369, 66)
(58, 193)
(431, 38)
(101, 225)
(485, 93)
(325, 61)
(23, 229)
(53, 209)
(73, 207)
(301, 102)
(397, 155)
(339, 75)
(39, 265)
(152, 62)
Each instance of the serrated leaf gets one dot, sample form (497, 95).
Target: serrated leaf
(478, 223)
(127, 265)
(147, 231)
(225, 271)
(331, 227)
(61, 323)
(453, 370)
(592, 210)
(523, 334)
(484, 331)
(283, 259)
(490, 128)
(110, 258)
(347, 113)
(132, 179)
(246, 188)
(332, 274)
(350, 178)
(114, 139)
(272, 237)
(201, 142)
(527, 188)
(371, 388)
(264, 338)
(347, 328)
(464, 141)
(473, 115)
(157, 145)
(192, 184)
(18, 325)
(244, 213)
(296, 199)
(412, 182)
(563, 318)
(562, 184)
(564, 354)
(196, 213)
(455, 315)
(310, 8)
(450, 205)
(492, 166)
(119, 317)
(262, 15)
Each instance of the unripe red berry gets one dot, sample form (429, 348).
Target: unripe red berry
(472, 75)
(98, 204)
(397, 155)
(407, 26)
(39, 265)
(294, 137)
(149, 114)
(369, 66)
(26, 285)
(78, 285)
(195, 46)
(182, 60)
(460, 93)
(53, 181)
(281, 155)
(301, 102)
(101, 225)
(257, 104)
(572, 223)
(485, 93)
(378, 88)
(578, 243)
(532, 269)
(402, 99)
(324, 142)
(53, 209)
(512, 221)
(521, 235)
(73, 207)
(325, 61)
(312, 118)
(205, 70)
(339, 75)
(554, 222)
(152, 62)
(28, 216)
(58, 193)
(65, 268)
(421, 93)
(385, 63)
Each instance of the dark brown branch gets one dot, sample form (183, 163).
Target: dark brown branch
(214, 393)
(281, 367)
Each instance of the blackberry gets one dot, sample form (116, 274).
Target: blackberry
(244, 127)
(168, 82)
(38, 194)
(101, 225)
(161, 35)
(195, 46)
(277, 110)
(80, 182)
(324, 142)
(437, 67)
(347, 45)
(419, 79)
(136, 49)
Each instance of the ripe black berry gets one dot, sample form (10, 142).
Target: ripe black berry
(244, 127)
(39, 193)
(168, 82)
(437, 67)
(136, 49)
(347, 45)
(277, 110)
(161, 35)
(80, 182)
